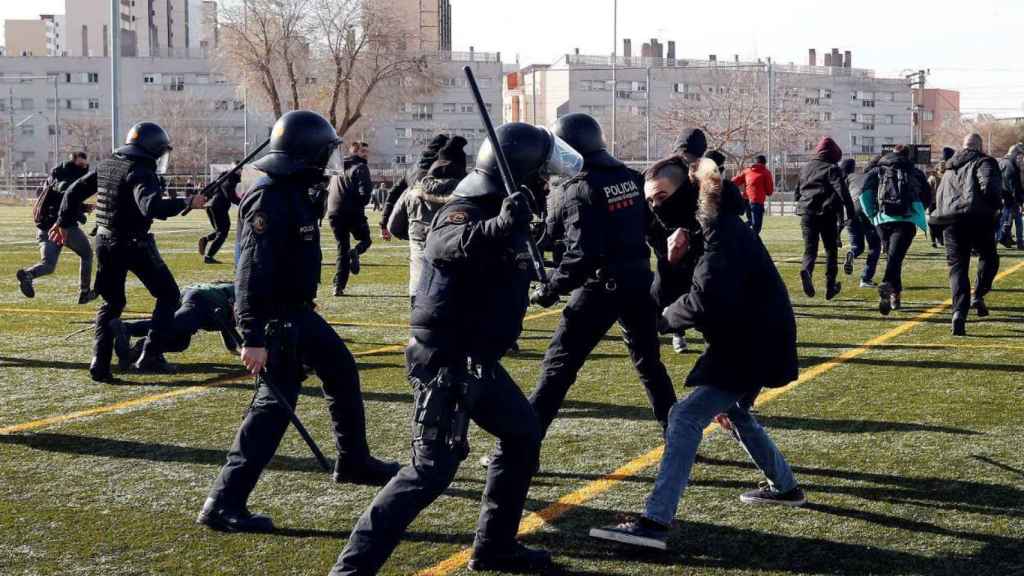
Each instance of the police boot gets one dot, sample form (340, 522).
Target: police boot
(153, 361)
(514, 558)
(368, 470)
(99, 370)
(219, 518)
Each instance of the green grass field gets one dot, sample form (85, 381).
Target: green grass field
(907, 441)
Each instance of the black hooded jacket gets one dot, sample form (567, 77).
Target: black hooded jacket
(355, 192)
(972, 185)
(822, 189)
(740, 303)
(895, 161)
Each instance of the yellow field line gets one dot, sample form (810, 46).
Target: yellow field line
(535, 520)
(150, 399)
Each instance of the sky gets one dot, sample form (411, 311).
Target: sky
(971, 47)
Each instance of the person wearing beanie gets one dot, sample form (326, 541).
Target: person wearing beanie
(691, 145)
(410, 220)
(427, 158)
(821, 198)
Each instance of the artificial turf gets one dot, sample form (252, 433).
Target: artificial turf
(910, 452)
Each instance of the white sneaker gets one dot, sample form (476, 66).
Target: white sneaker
(679, 343)
(868, 284)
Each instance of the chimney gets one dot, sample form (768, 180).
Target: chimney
(736, 58)
(576, 51)
(812, 57)
(848, 60)
(627, 48)
(661, 50)
(712, 58)
(837, 60)
(828, 59)
(645, 50)
(672, 50)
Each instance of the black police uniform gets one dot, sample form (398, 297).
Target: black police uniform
(469, 308)
(207, 307)
(217, 211)
(276, 283)
(606, 267)
(130, 198)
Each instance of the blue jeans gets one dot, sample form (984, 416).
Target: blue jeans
(686, 423)
(861, 232)
(756, 217)
(1011, 216)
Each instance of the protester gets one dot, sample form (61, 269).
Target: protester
(860, 228)
(1013, 197)
(347, 197)
(893, 198)
(415, 210)
(758, 184)
(821, 198)
(740, 303)
(967, 204)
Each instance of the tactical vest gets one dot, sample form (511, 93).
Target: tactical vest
(116, 208)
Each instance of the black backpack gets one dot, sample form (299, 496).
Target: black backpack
(897, 190)
(47, 205)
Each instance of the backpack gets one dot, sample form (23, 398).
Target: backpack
(898, 191)
(47, 205)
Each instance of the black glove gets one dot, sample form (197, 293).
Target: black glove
(515, 213)
(544, 297)
(233, 178)
(663, 327)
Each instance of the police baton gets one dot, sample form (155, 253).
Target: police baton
(506, 173)
(210, 189)
(287, 407)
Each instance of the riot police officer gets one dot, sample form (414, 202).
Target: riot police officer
(130, 198)
(275, 283)
(606, 269)
(469, 309)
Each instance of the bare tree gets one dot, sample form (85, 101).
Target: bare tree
(87, 134)
(999, 135)
(198, 128)
(342, 58)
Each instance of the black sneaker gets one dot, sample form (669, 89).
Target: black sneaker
(833, 289)
(369, 471)
(517, 558)
(848, 264)
(225, 520)
(99, 373)
(86, 296)
(959, 327)
(641, 532)
(25, 283)
(885, 293)
(808, 283)
(765, 494)
(202, 246)
(210, 260)
(980, 307)
(354, 263)
(897, 302)
(339, 291)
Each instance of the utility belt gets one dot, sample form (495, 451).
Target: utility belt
(444, 404)
(130, 237)
(609, 279)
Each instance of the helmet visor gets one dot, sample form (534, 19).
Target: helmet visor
(335, 163)
(163, 162)
(563, 161)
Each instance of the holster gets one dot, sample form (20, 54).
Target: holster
(443, 408)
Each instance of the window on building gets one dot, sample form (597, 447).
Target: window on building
(148, 79)
(401, 159)
(449, 107)
(28, 130)
(815, 101)
(92, 77)
(422, 111)
(237, 105)
(826, 116)
(466, 108)
(929, 115)
(221, 105)
(175, 84)
(94, 103)
(403, 133)
(448, 82)
(867, 103)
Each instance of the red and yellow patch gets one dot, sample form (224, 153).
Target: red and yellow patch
(259, 223)
(457, 218)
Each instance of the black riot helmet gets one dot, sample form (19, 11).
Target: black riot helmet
(531, 152)
(581, 131)
(301, 142)
(147, 140)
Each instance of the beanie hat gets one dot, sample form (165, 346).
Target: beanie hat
(430, 152)
(692, 141)
(829, 151)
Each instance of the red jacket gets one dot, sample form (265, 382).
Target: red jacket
(756, 182)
